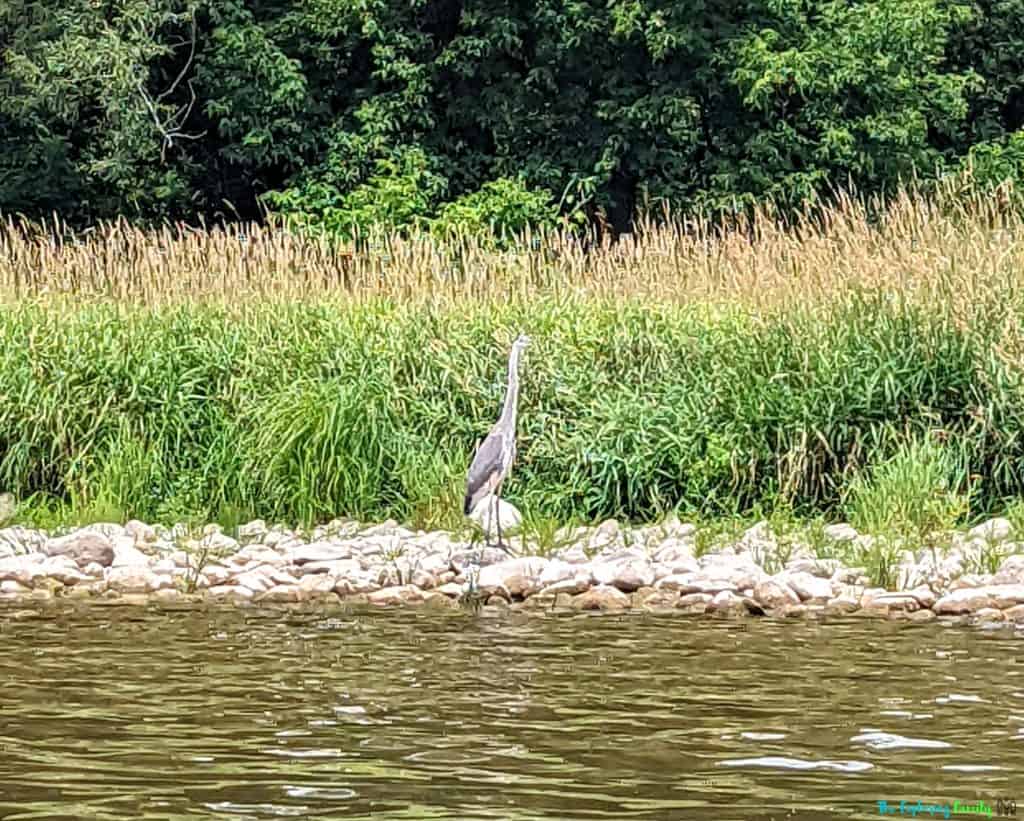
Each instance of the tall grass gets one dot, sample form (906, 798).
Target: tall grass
(182, 374)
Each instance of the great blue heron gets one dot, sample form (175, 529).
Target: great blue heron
(494, 457)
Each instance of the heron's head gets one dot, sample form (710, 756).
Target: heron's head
(522, 341)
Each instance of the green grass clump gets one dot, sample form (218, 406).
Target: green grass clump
(908, 501)
(305, 411)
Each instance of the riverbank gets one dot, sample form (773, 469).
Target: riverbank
(660, 568)
(853, 367)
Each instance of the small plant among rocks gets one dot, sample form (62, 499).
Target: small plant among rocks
(906, 501)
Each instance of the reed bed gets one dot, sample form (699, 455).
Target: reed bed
(247, 371)
(950, 247)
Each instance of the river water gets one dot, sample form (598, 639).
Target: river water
(120, 713)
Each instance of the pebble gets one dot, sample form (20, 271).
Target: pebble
(609, 568)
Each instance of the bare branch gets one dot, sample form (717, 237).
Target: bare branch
(188, 62)
(170, 130)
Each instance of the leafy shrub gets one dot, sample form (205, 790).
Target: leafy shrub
(993, 163)
(401, 193)
(502, 207)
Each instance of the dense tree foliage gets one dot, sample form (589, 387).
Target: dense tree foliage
(342, 111)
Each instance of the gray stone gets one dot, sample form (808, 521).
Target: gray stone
(83, 547)
(966, 600)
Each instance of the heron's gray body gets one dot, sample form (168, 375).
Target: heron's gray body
(497, 452)
(490, 466)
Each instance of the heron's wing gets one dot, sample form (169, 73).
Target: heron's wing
(485, 464)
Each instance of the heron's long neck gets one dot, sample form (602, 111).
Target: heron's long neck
(508, 412)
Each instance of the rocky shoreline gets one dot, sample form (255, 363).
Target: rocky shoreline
(607, 568)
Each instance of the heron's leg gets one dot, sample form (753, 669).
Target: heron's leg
(501, 544)
(496, 516)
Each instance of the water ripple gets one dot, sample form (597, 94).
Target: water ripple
(264, 714)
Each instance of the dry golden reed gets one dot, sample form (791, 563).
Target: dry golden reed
(960, 250)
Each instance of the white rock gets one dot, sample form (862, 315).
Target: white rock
(164, 565)
(322, 551)
(840, 532)
(20, 540)
(994, 530)
(517, 577)
(675, 551)
(108, 529)
(399, 594)
(508, 518)
(136, 579)
(772, 593)
(574, 554)
(823, 568)
(216, 574)
(230, 591)
(453, 589)
(20, 569)
(894, 601)
(627, 573)
(578, 584)
(806, 586)
(64, 569)
(252, 531)
(319, 585)
(966, 600)
(739, 570)
(84, 546)
(140, 532)
(342, 568)
(727, 601)
(602, 597)
(556, 571)
(255, 580)
(126, 554)
(1011, 571)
